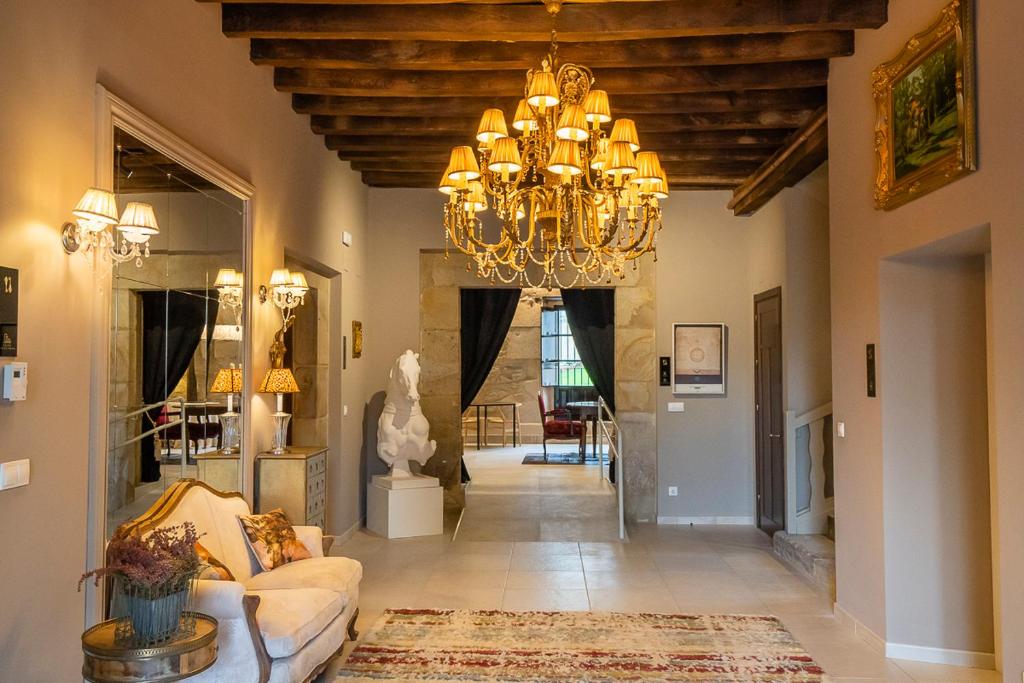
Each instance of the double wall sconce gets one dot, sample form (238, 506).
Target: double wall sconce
(99, 230)
(229, 285)
(287, 290)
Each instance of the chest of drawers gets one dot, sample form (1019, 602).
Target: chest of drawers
(296, 482)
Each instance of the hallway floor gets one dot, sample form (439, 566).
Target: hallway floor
(505, 561)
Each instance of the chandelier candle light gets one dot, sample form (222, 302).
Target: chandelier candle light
(574, 204)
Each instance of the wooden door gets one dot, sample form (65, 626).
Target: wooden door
(769, 421)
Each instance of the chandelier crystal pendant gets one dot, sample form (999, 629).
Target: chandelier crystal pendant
(574, 204)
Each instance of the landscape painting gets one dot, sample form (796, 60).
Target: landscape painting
(925, 116)
(925, 134)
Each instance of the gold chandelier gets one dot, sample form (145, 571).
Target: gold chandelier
(574, 204)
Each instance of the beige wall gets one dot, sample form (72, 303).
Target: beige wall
(710, 266)
(169, 59)
(861, 237)
(936, 476)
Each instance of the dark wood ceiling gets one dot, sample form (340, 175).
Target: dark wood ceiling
(726, 91)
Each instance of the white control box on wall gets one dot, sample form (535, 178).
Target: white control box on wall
(14, 385)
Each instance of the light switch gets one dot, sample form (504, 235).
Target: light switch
(14, 474)
(841, 430)
(673, 490)
(346, 238)
(676, 407)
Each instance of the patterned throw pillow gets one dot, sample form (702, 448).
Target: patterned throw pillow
(272, 539)
(215, 570)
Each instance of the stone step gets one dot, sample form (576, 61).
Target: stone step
(813, 556)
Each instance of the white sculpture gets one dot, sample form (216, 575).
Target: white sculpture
(402, 430)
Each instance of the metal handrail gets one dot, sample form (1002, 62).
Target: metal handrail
(614, 446)
(143, 435)
(144, 409)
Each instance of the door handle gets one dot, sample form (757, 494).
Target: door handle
(775, 436)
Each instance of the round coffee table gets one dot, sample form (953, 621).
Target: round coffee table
(108, 662)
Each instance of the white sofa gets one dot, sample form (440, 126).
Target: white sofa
(278, 626)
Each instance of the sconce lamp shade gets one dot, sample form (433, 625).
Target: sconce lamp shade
(227, 381)
(138, 222)
(624, 130)
(463, 164)
(505, 156)
(523, 120)
(228, 277)
(97, 206)
(492, 126)
(597, 108)
(298, 281)
(572, 124)
(281, 277)
(279, 381)
(543, 90)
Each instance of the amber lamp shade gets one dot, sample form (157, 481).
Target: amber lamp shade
(227, 381)
(596, 107)
(600, 159)
(492, 127)
(565, 158)
(572, 124)
(279, 381)
(648, 168)
(624, 130)
(523, 120)
(621, 161)
(476, 200)
(543, 91)
(463, 164)
(505, 157)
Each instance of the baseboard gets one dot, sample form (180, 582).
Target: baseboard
(874, 641)
(350, 532)
(735, 521)
(938, 655)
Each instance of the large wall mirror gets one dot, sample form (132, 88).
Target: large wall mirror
(177, 335)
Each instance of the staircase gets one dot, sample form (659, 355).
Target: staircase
(812, 556)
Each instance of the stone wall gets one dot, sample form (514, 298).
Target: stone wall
(441, 279)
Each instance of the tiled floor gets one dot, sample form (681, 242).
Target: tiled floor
(662, 569)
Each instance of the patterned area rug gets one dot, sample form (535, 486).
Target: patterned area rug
(458, 645)
(559, 459)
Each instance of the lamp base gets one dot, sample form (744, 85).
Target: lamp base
(230, 434)
(281, 421)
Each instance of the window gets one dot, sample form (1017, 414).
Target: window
(560, 361)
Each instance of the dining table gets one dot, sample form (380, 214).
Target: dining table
(588, 410)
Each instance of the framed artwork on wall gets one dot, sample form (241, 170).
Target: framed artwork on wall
(925, 126)
(357, 339)
(698, 358)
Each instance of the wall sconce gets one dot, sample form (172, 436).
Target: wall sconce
(229, 291)
(287, 290)
(97, 227)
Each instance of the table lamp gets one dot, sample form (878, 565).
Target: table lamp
(279, 381)
(229, 381)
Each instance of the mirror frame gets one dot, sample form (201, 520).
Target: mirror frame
(113, 112)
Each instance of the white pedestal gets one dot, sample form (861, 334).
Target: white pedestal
(405, 512)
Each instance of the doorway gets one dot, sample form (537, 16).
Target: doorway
(769, 419)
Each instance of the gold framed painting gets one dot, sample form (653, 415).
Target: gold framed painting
(357, 339)
(925, 130)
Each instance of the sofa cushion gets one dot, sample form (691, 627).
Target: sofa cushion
(339, 574)
(288, 619)
(272, 539)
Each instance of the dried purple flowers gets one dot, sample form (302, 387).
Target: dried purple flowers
(165, 557)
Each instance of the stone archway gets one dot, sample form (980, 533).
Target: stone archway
(635, 376)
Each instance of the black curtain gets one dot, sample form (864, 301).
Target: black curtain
(486, 318)
(591, 316)
(172, 325)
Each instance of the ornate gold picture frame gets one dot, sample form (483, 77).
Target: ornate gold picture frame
(357, 339)
(925, 130)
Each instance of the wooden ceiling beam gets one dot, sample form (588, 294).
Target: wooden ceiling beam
(482, 56)
(646, 123)
(620, 81)
(720, 139)
(657, 103)
(804, 151)
(531, 22)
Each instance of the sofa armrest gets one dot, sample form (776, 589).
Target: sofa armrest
(220, 599)
(313, 538)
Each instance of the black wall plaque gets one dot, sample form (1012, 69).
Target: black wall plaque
(8, 312)
(665, 371)
(872, 389)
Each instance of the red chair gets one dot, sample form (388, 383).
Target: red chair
(561, 427)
